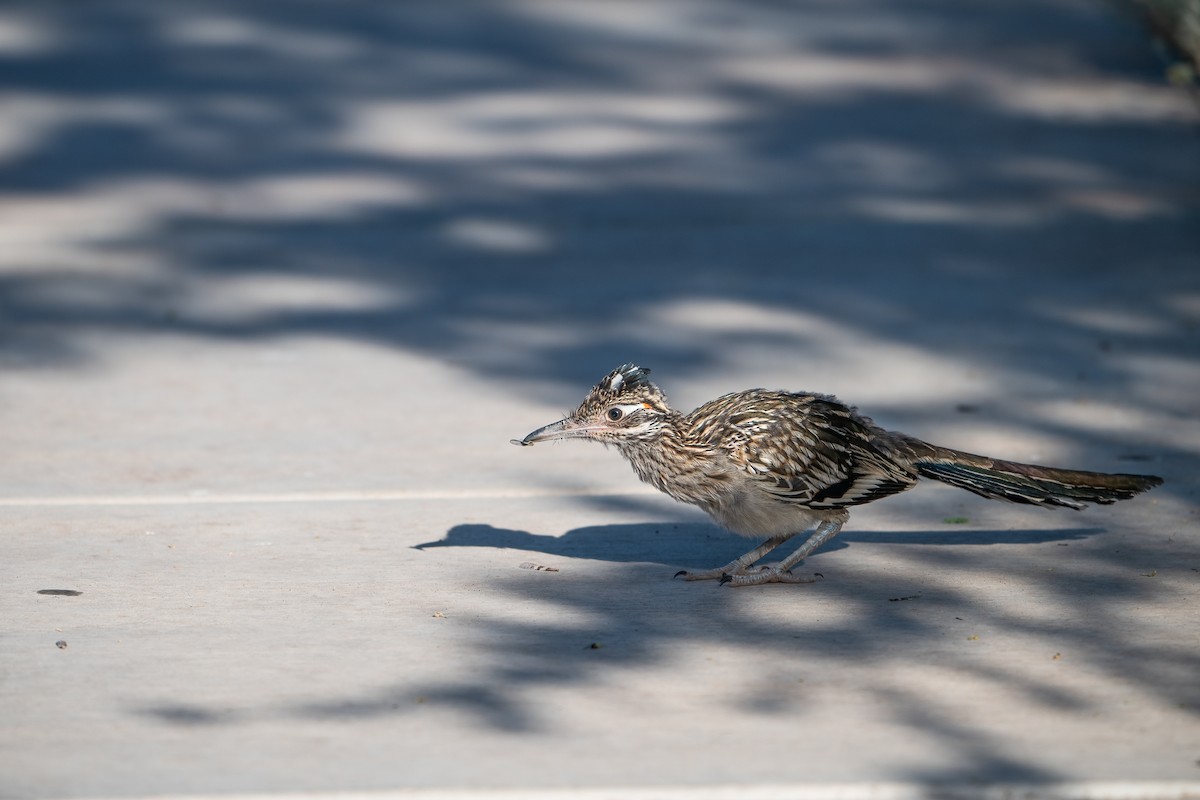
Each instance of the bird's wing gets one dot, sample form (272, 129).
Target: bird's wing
(809, 450)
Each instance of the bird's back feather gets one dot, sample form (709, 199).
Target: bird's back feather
(806, 449)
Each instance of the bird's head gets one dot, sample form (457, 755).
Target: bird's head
(623, 407)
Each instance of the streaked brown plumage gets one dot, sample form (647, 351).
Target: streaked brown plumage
(774, 464)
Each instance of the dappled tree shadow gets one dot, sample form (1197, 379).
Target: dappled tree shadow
(542, 191)
(545, 191)
(482, 167)
(638, 618)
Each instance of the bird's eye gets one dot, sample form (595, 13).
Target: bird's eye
(615, 413)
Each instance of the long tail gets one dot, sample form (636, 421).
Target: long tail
(1029, 483)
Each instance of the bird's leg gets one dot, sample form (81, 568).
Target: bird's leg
(736, 567)
(782, 572)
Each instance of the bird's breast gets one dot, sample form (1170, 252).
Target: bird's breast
(708, 481)
(752, 512)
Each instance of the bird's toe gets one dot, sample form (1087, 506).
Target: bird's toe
(766, 573)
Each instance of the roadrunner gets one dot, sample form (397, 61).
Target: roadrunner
(775, 464)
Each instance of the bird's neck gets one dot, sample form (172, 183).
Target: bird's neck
(667, 461)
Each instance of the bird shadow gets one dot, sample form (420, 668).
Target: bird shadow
(676, 542)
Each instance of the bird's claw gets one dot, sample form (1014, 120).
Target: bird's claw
(746, 576)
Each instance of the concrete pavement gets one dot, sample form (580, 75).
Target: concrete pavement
(278, 283)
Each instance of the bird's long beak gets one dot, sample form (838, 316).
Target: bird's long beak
(563, 429)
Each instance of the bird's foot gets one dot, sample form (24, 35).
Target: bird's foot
(764, 573)
(746, 576)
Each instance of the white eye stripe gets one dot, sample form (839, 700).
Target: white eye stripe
(629, 408)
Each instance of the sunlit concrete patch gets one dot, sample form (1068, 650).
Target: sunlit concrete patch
(1092, 101)
(554, 124)
(248, 297)
(696, 22)
(564, 178)
(495, 235)
(217, 31)
(68, 227)
(923, 211)
(827, 354)
(22, 35)
(1039, 210)
(1075, 96)
(324, 196)
(721, 316)
(1119, 205)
